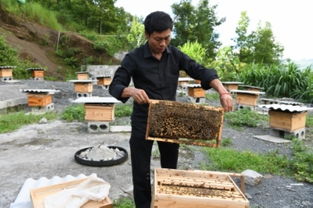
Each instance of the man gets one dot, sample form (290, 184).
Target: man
(154, 68)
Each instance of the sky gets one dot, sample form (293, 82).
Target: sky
(291, 20)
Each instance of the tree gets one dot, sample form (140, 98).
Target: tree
(196, 24)
(136, 36)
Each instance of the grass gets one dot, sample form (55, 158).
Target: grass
(74, 113)
(123, 110)
(309, 121)
(245, 117)
(13, 121)
(124, 202)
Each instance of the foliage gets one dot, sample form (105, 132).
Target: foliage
(309, 121)
(13, 121)
(136, 36)
(285, 80)
(196, 24)
(9, 57)
(226, 142)
(212, 96)
(194, 50)
(33, 11)
(110, 43)
(74, 113)
(124, 202)
(225, 159)
(244, 117)
(123, 110)
(259, 46)
(301, 163)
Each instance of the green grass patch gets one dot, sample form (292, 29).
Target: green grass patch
(229, 160)
(245, 117)
(13, 121)
(124, 202)
(74, 113)
(309, 121)
(123, 110)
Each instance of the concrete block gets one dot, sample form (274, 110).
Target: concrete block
(79, 94)
(42, 109)
(200, 100)
(117, 129)
(6, 79)
(98, 127)
(299, 133)
(240, 106)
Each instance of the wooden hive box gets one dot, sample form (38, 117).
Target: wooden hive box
(99, 112)
(38, 73)
(194, 188)
(38, 195)
(39, 99)
(6, 72)
(230, 87)
(82, 76)
(83, 87)
(247, 99)
(104, 81)
(196, 92)
(186, 123)
(287, 121)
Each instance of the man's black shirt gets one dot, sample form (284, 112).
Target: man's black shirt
(158, 78)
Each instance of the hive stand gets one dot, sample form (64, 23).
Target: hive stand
(40, 100)
(195, 188)
(104, 81)
(83, 88)
(231, 85)
(99, 112)
(37, 73)
(287, 120)
(184, 123)
(251, 88)
(182, 85)
(246, 99)
(83, 75)
(196, 94)
(6, 73)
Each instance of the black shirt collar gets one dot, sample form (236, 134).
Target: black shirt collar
(147, 52)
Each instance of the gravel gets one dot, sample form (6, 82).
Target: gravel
(47, 150)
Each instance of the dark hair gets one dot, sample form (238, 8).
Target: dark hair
(158, 22)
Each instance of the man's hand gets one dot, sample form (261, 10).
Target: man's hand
(226, 101)
(139, 95)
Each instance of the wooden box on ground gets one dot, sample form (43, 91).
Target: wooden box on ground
(231, 85)
(38, 99)
(82, 87)
(287, 121)
(246, 97)
(195, 188)
(99, 112)
(38, 73)
(186, 123)
(196, 92)
(38, 195)
(7, 72)
(104, 81)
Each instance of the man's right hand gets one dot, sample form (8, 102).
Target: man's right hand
(139, 95)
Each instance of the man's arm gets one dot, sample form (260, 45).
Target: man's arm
(225, 97)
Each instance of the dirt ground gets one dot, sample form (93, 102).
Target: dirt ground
(47, 150)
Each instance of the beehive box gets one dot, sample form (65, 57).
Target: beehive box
(196, 92)
(5, 72)
(247, 99)
(38, 73)
(195, 188)
(39, 99)
(186, 123)
(287, 121)
(104, 81)
(82, 76)
(99, 112)
(83, 87)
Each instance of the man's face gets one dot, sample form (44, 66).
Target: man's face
(158, 41)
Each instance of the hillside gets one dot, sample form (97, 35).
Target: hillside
(38, 43)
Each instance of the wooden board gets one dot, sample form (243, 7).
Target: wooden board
(196, 92)
(83, 76)
(38, 74)
(247, 99)
(38, 195)
(195, 188)
(104, 81)
(187, 123)
(83, 87)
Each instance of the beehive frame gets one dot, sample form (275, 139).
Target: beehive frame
(176, 122)
(195, 188)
